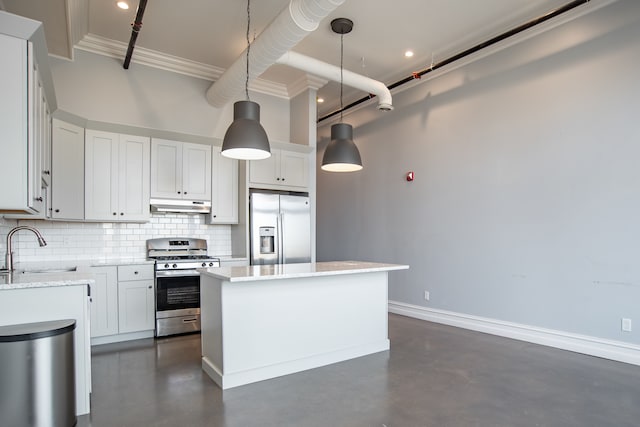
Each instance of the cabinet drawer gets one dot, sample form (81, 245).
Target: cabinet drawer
(135, 272)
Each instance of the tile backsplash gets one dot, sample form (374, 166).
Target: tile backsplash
(100, 242)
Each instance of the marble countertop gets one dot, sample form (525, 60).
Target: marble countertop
(288, 271)
(47, 266)
(43, 280)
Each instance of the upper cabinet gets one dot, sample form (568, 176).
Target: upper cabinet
(67, 171)
(25, 128)
(283, 169)
(116, 177)
(180, 170)
(224, 189)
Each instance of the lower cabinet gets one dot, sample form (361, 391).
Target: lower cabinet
(122, 303)
(136, 310)
(104, 301)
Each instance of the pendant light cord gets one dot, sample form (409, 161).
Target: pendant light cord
(341, 67)
(246, 83)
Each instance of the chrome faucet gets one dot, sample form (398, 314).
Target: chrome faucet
(9, 259)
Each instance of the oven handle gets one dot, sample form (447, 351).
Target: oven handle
(193, 320)
(177, 273)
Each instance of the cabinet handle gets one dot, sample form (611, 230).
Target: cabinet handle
(277, 179)
(121, 213)
(115, 213)
(39, 199)
(178, 192)
(215, 216)
(57, 210)
(135, 272)
(185, 192)
(47, 172)
(150, 286)
(283, 179)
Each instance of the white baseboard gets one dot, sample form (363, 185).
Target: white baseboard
(110, 339)
(608, 349)
(252, 375)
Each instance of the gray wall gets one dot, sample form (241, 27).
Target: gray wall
(97, 88)
(526, 203)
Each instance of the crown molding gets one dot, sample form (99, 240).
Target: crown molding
(304, 83)
(151, 58)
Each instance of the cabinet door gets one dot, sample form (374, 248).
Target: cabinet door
(166, 169)
(104, 301)
(294, 169)
(133, 175)
(136, 311)
(35, 123)
(67, 166)
(265, 171)
(13, 123)
(224, 189)
(24, 130)
(101, 175)
(196, 171)
(46, 138)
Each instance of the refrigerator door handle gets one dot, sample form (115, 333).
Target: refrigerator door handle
(280, 239)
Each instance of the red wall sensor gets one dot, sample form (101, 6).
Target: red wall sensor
(410, 176)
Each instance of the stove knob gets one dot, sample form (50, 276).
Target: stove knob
(204, 264)
(166, 266)
(210, 264)
(175, 265)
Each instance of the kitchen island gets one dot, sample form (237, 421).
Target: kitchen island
(261, 322)
(40, 297)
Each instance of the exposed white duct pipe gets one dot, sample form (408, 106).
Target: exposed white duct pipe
(293, 24)
(331, 72)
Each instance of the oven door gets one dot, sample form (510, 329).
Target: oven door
(177, 293)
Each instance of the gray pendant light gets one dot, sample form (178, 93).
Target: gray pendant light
(341, 155)
(246, 139)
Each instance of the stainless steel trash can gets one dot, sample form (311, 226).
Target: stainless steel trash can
(37, 374)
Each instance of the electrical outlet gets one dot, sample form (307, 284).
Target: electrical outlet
(626, 325)
(427, 296)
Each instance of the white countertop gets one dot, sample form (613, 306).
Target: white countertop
(288, 271)
(77, 265)
(44, 280)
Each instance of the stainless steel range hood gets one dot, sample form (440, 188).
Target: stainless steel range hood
(183, 206)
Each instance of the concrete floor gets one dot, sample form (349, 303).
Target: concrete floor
(434, 375)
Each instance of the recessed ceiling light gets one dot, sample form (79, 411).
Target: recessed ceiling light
(408, 54)
(320, 100)
(122, 5)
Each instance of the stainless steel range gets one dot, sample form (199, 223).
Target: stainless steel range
(178, 282)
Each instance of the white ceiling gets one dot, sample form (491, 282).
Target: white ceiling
(212, 32)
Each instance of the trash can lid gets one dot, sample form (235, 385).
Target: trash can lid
(32, 331)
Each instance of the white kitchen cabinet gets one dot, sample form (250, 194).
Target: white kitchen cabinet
(24, 130)
(67, 171)
(116, 177)
(136, 306)
(283, 169)
(51, 302)
(180, 170)
(224, 189)
(104, 301)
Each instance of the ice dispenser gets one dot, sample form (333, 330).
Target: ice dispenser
(267, 240)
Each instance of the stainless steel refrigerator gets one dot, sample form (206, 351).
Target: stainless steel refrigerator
(280, 227)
